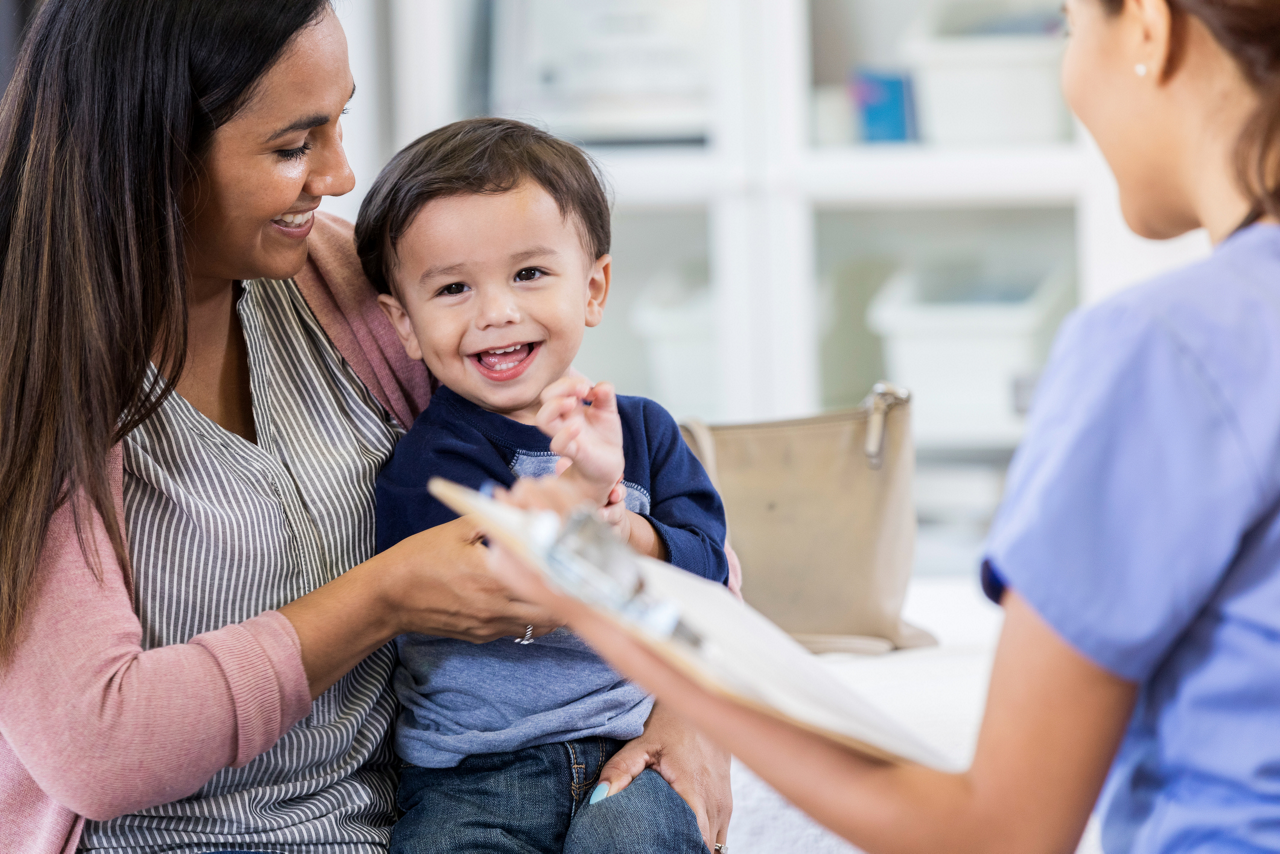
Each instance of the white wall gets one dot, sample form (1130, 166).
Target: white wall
(414, 61)
(367, 126)
(1111, 256)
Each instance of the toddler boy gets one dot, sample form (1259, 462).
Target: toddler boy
(488, 240)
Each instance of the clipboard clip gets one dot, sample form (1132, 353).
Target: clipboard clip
(587, 560)
(580, 556)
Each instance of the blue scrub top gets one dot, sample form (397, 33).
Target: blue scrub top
(1142, 521)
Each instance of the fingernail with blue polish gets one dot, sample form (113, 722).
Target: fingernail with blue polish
(601, 792)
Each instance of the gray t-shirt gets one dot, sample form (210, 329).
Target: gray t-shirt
(502, 696)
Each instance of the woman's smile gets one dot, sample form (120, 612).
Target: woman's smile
(295, 225)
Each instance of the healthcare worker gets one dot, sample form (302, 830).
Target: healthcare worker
(1137, 552)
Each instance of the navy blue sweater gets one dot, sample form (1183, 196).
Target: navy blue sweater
(459, 441)
(463, 699)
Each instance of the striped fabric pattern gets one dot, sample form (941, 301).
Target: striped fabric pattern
(222, 529)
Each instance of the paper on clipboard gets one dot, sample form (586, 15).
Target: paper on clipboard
(712, 637)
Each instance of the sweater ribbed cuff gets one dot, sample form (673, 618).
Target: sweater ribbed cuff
(261, 660)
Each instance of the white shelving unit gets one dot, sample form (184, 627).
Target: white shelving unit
(905, 176)
(763, 188)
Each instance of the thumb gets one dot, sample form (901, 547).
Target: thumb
(619, 771)
(562, 465)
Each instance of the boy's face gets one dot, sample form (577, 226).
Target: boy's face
(494, 293)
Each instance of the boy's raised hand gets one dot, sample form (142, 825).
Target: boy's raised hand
(589, 436)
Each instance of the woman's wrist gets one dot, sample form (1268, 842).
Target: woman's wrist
(341, 623)
(384, 591)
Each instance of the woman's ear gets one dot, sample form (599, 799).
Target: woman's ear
(403, 325)
(598, 289)
(1157, 54)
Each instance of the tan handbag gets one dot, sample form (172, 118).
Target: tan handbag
(821, 516)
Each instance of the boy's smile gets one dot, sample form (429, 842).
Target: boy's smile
(494, 292)
(506, 363)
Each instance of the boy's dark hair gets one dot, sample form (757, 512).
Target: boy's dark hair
(485, 155)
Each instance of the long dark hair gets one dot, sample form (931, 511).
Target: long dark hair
(1250, 31)
(111, 106)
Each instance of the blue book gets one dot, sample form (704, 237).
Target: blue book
(887, 106)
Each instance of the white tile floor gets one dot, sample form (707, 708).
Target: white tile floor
(938, 693)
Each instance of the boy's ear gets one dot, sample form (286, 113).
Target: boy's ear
(598, 289)
(403, 325)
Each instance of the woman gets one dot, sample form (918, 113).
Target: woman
(1137, 553)
(192, 622)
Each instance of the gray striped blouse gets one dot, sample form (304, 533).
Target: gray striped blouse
(222, 529)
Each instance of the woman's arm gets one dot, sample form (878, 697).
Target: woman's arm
(436, 582)
(1052, 726)
(105, 727)
(1053, 723)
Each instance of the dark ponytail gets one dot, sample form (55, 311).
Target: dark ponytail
(111, 105)
(1250, 31)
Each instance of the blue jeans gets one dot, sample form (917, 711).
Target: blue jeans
(535, 801)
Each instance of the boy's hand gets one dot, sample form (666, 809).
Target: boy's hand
(629, 527)
(590, 437)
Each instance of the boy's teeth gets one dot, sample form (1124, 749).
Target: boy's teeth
(506, 358)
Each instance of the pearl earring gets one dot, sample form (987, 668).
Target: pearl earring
(1140, 69)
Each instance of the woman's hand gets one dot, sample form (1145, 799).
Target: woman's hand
(443, 586)
(436, 582)
(695, 767)
(526, 584)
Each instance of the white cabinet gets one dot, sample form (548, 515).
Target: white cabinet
(790, 234)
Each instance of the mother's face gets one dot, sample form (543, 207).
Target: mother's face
(249, 214)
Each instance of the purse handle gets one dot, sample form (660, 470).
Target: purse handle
(703, 445)
(877, 404)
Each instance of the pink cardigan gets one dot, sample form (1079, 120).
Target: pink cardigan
(93, 726)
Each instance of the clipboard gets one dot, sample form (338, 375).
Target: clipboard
(695, 625)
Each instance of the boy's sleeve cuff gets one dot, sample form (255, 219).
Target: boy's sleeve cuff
(689, 552)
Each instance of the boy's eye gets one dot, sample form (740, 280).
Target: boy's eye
(452, 290)
(529, 274)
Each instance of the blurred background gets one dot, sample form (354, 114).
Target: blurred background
(810, 196)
